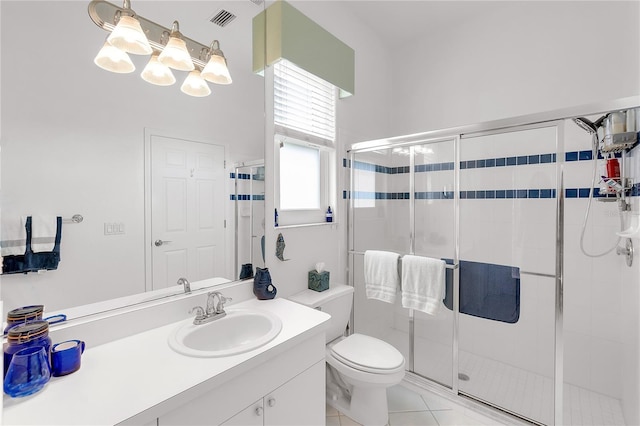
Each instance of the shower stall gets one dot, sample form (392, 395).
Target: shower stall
(499, 203)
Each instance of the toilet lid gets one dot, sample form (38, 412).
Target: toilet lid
(368, 354)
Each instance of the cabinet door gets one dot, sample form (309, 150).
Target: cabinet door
(300, 401)
(253, 415)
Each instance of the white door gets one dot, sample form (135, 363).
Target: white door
(187, 210)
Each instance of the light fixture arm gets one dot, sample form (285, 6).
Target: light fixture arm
(214, 49)
(175, 29)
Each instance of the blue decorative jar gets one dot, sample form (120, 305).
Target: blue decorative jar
(30, 334)
(23, 315)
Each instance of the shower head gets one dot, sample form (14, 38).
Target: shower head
(588, 125)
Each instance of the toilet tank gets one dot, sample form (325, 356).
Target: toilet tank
(336, 301)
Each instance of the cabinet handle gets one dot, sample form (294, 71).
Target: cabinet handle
(259, 411)
(272, 402)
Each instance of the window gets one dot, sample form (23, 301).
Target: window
(300, 177)
(305, 125)
(304, 105)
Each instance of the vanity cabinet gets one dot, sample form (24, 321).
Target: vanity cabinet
(288, 389)
(294, 403)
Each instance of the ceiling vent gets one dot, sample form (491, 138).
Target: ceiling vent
(222, 17)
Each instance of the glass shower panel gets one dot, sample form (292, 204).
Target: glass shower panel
(507, 270)
(434, 237)
(380, 221)
(249, 220)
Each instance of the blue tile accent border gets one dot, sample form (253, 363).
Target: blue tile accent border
(242, 176)
(486, 194)
(246, 197)
(481, 163)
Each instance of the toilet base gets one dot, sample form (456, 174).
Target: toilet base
(367, 406)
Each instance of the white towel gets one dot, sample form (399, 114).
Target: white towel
(423, 281)
(43, 233)
(14, 237)
(381, 275)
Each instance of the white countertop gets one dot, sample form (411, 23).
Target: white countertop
(123, 378)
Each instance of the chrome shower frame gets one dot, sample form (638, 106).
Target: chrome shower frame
(553, 118)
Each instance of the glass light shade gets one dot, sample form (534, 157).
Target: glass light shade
(194, 85)
(157, 73)
(128, 36)
(176, 56)
(112, 59)
(216, 70)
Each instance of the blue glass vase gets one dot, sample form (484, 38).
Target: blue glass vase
(263, 289)
(28, 372)
(246, 271)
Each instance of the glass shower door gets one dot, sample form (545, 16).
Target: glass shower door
(507, 274)
(379, 221)
(434, 218)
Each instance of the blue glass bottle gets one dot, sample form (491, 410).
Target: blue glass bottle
(329, 215)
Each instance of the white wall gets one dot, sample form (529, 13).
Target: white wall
(79, 132)
(524, 57)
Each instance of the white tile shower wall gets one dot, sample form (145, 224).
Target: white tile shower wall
(595, 290)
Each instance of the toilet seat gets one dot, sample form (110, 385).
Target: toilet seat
(368, 354)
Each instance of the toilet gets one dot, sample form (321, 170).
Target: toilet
(360, 368)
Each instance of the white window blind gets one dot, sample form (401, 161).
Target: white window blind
(304, 104)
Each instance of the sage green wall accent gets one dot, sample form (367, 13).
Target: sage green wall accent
(293, 36)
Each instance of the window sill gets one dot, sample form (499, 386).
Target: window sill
(305, 225)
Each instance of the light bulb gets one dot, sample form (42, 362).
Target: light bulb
(157, 73)
(216, 70)
(175, 53)
(112, 59)
(128, 36)
(194, 85)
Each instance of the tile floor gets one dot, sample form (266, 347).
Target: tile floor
(418, 408)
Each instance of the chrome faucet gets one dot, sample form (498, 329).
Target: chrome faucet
(218, 308)
(213, 311)
(187, 285)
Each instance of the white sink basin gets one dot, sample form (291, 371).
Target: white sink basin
(241, 330)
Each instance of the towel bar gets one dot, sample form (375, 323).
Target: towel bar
(361, 253)
(76, 218)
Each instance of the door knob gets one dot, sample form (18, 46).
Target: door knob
(272, 402)
(158, 243)
(258, 411)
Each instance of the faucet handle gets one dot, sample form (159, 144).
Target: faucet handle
(221, 301)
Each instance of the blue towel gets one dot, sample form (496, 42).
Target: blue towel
(486, 291)
(34, 262)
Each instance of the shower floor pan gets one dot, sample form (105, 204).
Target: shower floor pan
(525, 393)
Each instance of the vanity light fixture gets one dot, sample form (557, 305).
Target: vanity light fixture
(216, 70)
(131, 33)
